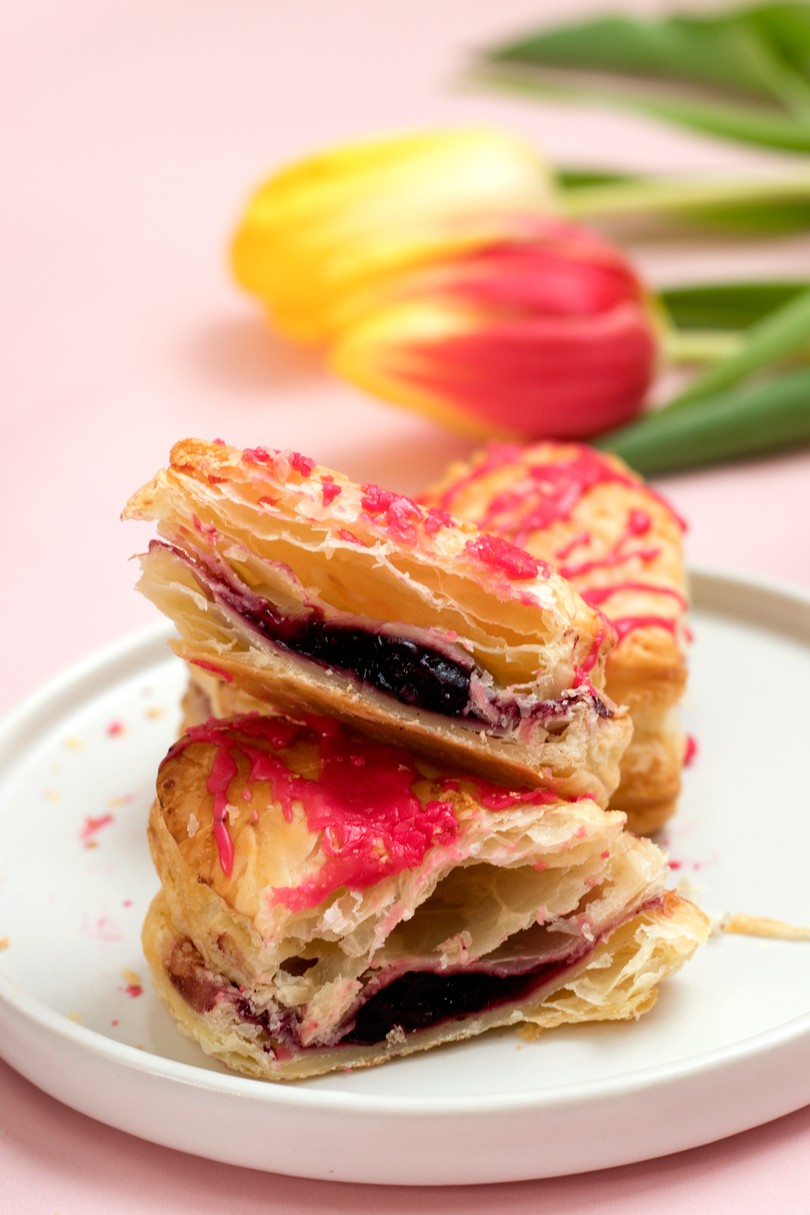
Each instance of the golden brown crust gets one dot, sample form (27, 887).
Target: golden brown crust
(620, 545)
(265, 959)
(617, 982)
(259, 528)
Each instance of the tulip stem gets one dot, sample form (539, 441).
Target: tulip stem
(700, 345)
(594, 202)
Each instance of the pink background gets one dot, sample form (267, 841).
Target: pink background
(131, 135)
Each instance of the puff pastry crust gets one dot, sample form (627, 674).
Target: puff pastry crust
(330, 902)
(296, 587)
(619, 544)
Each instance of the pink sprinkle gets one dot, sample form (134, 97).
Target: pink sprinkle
(256, 455)
(301, 464)
(115, 728)
(348, 537)
(212, 480)
(502, 557)
(375, 500)
(113, 1023)
(580, 833)
(675, 864)
(127, 903)
(219, 442)
(605, 855)
(134, 990)
(92, 825)
(691, 750)
(255, 816)
(436, 519)
(330, 490)
(247, 795)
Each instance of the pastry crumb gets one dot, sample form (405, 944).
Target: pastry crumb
(759, 926)
(74, 744)
(131, 978)
(154, 712)
(75, 1017)
(4, 943)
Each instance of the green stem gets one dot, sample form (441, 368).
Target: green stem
(776, 337)
(699, 345)
(592, 202)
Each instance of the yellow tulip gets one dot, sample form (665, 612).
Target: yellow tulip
(320, 241)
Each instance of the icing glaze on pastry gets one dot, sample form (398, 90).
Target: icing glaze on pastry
(618, 542)
(369, 904)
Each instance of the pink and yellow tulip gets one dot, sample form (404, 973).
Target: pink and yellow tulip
(437, 273)
(550, 335)
(322, 233)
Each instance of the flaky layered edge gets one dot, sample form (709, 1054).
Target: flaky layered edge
(617, 981)
(240, 529)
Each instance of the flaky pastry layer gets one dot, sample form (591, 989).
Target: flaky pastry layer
(310, 593)
(329, 901)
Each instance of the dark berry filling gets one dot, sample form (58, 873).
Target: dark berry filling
(412, 673)
(422, 998)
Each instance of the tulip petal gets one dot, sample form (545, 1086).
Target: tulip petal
(519, 377)
(353, 216)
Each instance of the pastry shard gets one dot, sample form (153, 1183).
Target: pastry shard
(295, 587)
(619, 544)
(332, 902)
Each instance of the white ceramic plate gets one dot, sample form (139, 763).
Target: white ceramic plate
(727, 1046)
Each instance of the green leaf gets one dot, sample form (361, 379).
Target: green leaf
(727, 306)
(742, 74)
(762, 206)
(743, 423)
(713, 53)
(768, 341)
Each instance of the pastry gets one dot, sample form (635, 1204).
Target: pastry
(332, 902)
(293, 586)
(619, 544)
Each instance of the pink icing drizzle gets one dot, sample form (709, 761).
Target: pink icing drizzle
(222, 773)
(638, 524)
(372, 825)
(544, 493)
(596, 595)
(575, 542)
(626, 624)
